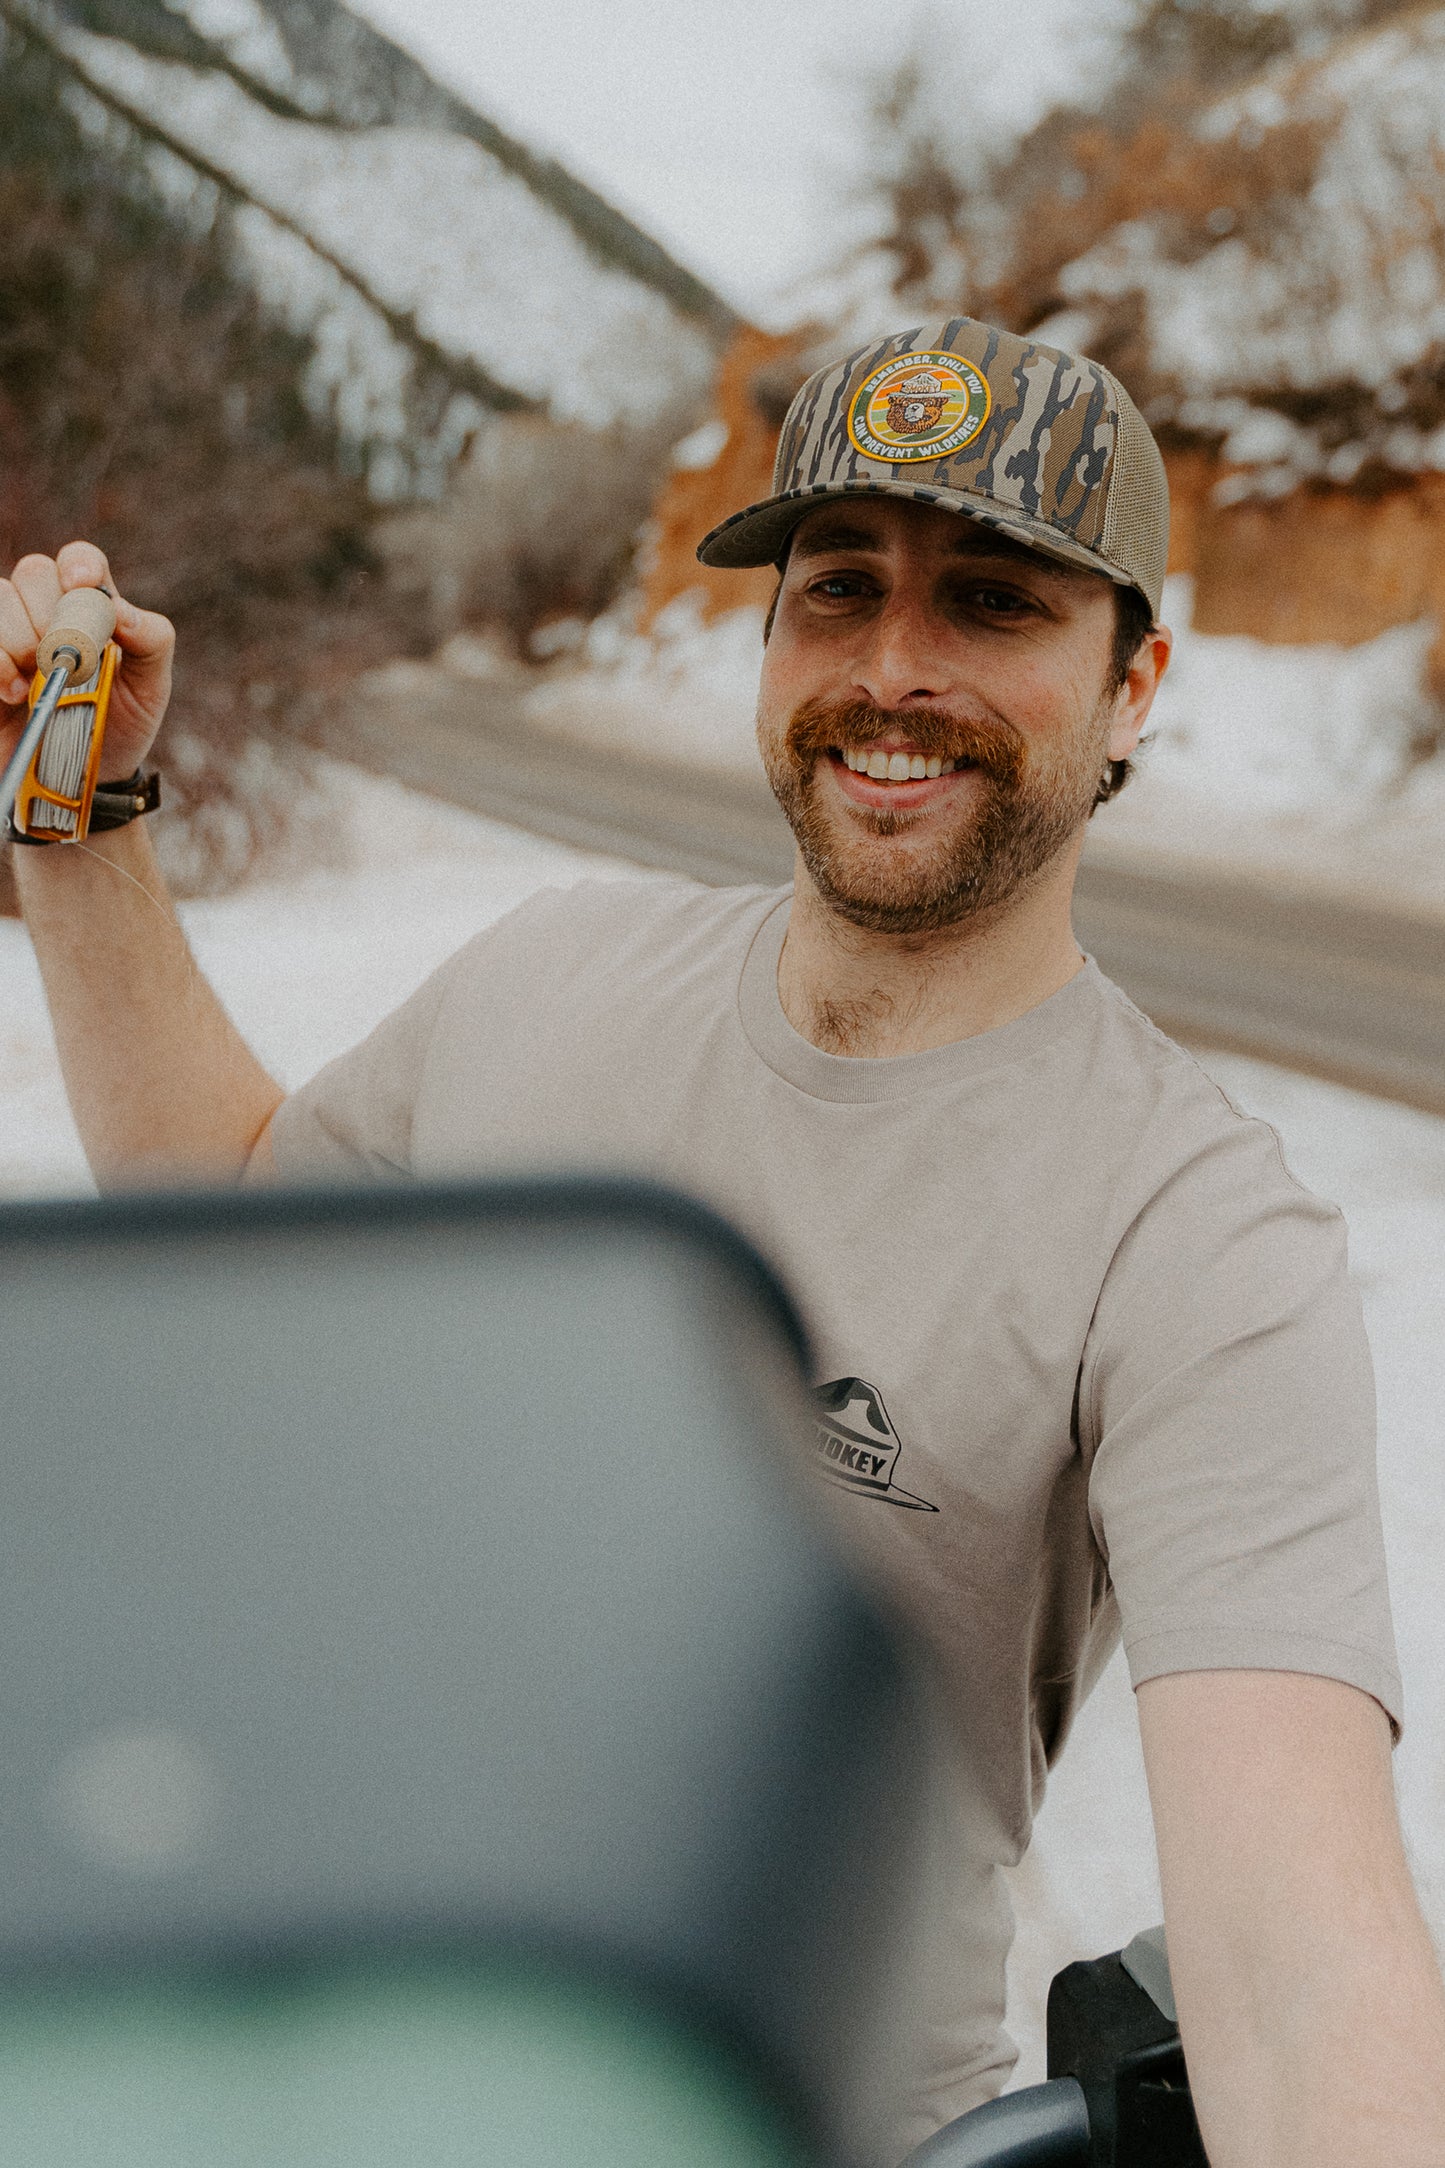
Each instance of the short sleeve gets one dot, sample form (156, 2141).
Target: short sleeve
(354, 1118)
(1228, 1401)
(429, 1088)
(357, 1116)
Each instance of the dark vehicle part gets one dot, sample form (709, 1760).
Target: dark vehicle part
(1040, 2126)
(1117, 2094)
(433, 1724)
(1112, 2025)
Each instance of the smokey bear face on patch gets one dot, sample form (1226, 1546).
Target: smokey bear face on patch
(915, 405)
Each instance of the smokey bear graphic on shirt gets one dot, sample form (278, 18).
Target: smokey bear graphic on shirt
(857, 1443)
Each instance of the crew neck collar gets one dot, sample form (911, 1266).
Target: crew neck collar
(850, 1079)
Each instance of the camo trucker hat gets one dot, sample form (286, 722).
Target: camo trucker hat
(1042, 445)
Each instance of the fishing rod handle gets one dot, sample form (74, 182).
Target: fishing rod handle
(84, 620)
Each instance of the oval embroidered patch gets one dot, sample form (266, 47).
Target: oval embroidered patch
(921, 406)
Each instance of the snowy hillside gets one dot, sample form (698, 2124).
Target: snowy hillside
(399, 226)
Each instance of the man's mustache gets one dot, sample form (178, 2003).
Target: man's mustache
(818, 726)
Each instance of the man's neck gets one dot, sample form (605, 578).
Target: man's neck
(874, 995)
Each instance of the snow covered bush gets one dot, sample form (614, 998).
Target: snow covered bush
(539, 523)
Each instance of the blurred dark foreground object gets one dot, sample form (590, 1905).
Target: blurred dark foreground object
(434, 1730)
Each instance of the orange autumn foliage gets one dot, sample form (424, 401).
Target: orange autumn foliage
(756, 379)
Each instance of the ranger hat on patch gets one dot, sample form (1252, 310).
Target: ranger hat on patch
(1042, 445)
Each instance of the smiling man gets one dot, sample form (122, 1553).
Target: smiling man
(931, 798)
(1090, 1361)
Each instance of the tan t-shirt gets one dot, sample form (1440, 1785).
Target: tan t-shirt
(1088, 1355)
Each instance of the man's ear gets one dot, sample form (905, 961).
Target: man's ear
(1135, 696)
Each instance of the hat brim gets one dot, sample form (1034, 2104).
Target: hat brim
(898, 1497)
(895, 1497)
(759, 534)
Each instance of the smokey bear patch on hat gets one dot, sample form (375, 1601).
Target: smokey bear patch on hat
(922, 406)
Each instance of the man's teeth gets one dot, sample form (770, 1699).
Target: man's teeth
(897, 767)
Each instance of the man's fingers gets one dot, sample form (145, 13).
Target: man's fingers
(144, 635)
(17, 646)
(37, 582)
(81, 564)
(29, 600)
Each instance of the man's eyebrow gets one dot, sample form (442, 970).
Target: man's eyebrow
(822, 540)
(972, 540)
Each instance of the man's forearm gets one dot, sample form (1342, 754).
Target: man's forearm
(1309, 1996)
(1326, 2048)
(160, 1082)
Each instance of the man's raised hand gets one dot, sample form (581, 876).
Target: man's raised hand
(159, 1080)
(28, 601)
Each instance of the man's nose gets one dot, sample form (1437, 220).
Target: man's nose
(903, 658)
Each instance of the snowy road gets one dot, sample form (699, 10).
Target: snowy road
(307, 965)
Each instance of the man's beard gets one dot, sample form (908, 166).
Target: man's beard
(1022, 813)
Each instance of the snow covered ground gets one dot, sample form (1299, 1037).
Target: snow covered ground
(307, 964)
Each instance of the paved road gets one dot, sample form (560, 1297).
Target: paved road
(1328, 985)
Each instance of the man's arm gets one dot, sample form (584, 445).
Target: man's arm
(1310, 1999)
(159, 1079)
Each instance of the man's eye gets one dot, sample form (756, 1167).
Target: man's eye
(1000, 601)
(837, 586)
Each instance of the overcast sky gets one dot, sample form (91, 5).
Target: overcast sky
(727, 128)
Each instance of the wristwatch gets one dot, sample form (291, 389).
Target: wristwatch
(114, 805)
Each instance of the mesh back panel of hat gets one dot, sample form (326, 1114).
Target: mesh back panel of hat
(1136, 518)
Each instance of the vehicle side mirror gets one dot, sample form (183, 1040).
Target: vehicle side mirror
(437, 1725)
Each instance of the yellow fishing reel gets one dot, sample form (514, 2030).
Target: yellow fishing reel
(50, 780)
(54, 800)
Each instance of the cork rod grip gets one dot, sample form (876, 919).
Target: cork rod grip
(83, 622)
